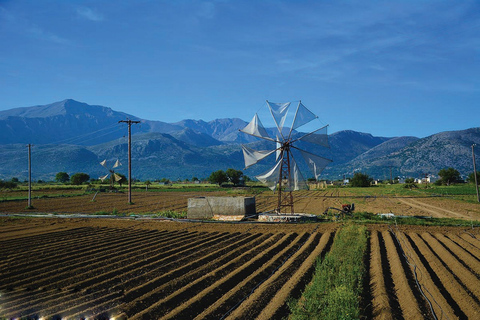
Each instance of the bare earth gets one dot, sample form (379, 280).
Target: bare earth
(143, 268)
(315, 202)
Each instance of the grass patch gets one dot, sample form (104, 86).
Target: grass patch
(336, 287)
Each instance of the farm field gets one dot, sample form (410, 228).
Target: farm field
(306, 201)
(144, 269)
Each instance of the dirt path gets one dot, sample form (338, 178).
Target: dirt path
(435, 211)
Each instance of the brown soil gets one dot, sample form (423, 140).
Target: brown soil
(134, 268)
(313, 201)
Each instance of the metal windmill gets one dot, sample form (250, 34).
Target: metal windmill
(113, 176)
(285, 175)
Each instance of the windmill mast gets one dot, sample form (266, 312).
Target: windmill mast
(285, 199)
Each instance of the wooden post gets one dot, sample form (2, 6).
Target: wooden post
(129, 122)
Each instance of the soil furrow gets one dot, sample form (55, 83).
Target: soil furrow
(194, 270)
(88, 265)
(463, 256)
(278, 308)
(453, 292)
(381, 306)
(442, 303)
(474, 241)
(97, 245)
(44, 295)
(236, 285)
(464, 276)
(473, 251)
(267, 288)
(163, 302)
(410, 306)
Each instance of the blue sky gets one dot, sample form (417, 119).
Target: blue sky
(389, 68)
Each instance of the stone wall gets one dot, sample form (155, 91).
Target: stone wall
(208, 207)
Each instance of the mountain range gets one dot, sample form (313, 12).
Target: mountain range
(72, 136)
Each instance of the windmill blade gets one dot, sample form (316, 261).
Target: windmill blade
(315, 163)
(117, 164)
(117, 177)
(104, 164)
(252, 156)
(318, 137)
(297, 182)
(256, 129)
(302, 116)
(270, 178)
(103, 177)
(279, 113)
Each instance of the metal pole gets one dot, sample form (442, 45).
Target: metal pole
(29, 175)
(129, 122)
(475, 171)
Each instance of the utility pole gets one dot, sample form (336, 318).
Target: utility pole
(475, 171)
(29, 146)
(129, 122)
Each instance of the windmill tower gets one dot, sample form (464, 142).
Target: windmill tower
(113, 176)
(285, 176)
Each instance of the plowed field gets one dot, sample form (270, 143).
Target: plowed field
(306, 201)
(76, 268)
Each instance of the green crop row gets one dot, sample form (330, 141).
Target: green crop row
(336, 287)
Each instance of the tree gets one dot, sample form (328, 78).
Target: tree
(410, 183)
(62, 177)
(7, 184)
(360, 180)
(449, 175)
(471, 178)
(79, 178)
(218, 177)
(147, 183)
(234, 176)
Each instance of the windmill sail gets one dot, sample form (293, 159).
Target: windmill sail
(256, 129)
(302, 116)
(286, 174)
(251, 156)
(318, 137)
(117, 164)
(315, 163)
(270, 178)
(103, 177)
(297, 182)
(279, 113)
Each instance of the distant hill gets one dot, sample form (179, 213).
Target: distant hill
(74, 137)
(413, 157)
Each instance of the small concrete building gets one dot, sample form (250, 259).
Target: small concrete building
(221, 208)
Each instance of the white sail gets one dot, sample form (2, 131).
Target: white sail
(103, 163)
(103, 177)
(318, 137)
(297, 181)
(256, 129)
(279, 113)
(117, 177)
(315, 163)
(302, 116)
(252, 156)
(270, 178)
(117, 164)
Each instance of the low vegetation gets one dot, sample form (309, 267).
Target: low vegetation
(336, 287)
